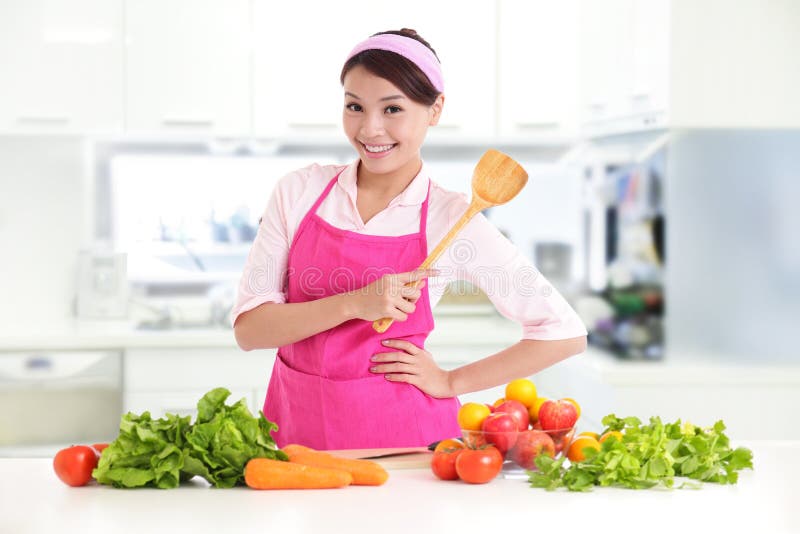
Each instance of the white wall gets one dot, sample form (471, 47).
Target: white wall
(42, 219)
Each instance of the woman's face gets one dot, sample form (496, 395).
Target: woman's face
(385, 126)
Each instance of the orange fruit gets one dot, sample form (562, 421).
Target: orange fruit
(498, 402)
(594, 435)
(533, 411)
(575, 452)
(522, 390)
(574, 403)
(471, 415)
(616, 433)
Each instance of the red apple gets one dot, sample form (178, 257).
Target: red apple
(491, 407)
(500, 429)
(517, 410)
(556, 415)
(529, 445)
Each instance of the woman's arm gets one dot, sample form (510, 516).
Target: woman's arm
(521, 359)
(272, 325)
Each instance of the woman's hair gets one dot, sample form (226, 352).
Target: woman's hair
(401, 72)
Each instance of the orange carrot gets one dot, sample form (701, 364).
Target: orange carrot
(365, 472)
(294, 448)
(263, 473)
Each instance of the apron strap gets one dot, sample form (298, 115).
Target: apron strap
(423, 213)
(325, 193)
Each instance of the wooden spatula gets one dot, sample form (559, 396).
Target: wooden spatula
(496, 179)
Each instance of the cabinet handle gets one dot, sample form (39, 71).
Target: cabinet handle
(640, 96)
(183, 122)
(33, 119)
(451, 127)
(536, 125)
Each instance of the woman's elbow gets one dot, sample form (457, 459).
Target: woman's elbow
(241, 338)
(243, 333)
(576, 345)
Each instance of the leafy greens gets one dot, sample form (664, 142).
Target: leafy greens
(164, 452)
(648, 455)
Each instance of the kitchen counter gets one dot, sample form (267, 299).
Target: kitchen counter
(33, 500)
(89, 335)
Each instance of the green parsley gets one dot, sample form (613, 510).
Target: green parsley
(648, 456)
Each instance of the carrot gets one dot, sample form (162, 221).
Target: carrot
(365, 472)
(264, 473)
(294, 448)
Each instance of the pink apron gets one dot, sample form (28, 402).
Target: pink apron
(321, 393)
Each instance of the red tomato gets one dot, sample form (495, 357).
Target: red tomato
(478, 466)
(99, 447)
(74, 465)
(443, 463)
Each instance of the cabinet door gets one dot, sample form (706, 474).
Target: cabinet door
(538, 68)
(188, 67)
(605, 58)
(624, 65)
(61, 66)
(160, 403)
(649, 88)
(176, 378)
(298, 60)
(463, 33)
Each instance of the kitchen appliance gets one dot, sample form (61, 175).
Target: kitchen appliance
(554, 261)
(625, 234)
(52, 400)
(102, 285)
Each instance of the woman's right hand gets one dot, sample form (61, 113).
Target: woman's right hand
(389, 296)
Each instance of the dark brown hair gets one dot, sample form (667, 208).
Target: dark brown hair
(398, 70)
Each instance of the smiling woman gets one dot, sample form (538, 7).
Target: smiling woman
(336, 382)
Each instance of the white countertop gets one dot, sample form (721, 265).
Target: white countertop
(33, 500)
(88, 335)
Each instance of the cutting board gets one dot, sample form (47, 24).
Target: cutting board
(391, 458)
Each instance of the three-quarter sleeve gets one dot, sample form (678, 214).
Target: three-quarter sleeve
(484, 257)
(264, 274)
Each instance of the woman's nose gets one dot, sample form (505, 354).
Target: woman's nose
(372, 125)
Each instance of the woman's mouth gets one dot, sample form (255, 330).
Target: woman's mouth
(378, 151)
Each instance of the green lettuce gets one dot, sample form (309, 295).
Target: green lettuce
(162, 453)
(147, 452)
(225, 437)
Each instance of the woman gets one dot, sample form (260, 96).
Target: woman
(334, 252)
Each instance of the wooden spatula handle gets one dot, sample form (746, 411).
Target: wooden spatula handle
(381, 325)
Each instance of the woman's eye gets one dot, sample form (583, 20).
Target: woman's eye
(353, 107)
(393, 109)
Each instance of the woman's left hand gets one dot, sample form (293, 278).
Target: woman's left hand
(413, 365)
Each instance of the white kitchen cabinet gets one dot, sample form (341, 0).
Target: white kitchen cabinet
(174, 379)
(463, 33)
(298, 60)
(187, 67)
(60, 66)
(624, 65)
(538, 69)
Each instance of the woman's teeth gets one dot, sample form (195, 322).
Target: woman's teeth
(377, 148)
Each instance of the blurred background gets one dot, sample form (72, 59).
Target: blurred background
(140, 141)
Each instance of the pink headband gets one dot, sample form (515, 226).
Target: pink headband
(409, 48)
